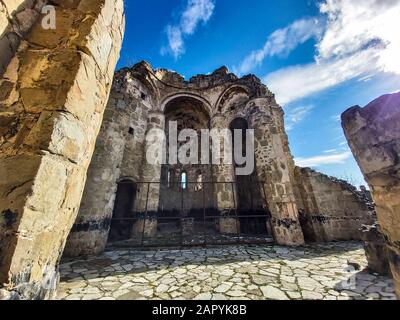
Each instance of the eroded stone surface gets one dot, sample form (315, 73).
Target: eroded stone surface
(226, 273)
(53, 96)
(331, 209)
(16, 19)
(373, 133)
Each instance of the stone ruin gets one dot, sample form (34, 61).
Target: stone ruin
(373, 133)
(143, 98)
(60, 188)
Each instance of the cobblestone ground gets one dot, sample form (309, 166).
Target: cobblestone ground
(321, 271)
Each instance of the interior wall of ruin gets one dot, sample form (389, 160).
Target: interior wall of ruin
(119, 154)
(187, 114)
(143, 99)
(51, 110)
(373, 133)
(331, 209)
(224, 98)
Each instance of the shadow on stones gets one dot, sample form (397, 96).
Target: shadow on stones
(131, 261)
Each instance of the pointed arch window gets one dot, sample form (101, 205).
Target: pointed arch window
(170, 178)
(184, 180)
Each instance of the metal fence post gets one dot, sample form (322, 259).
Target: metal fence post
(146, 211)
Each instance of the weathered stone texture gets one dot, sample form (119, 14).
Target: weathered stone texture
(229, 225)
(273, 161)
(51, 113)
(332, 209)
(375, 249)
(16, 19)
(373, 133)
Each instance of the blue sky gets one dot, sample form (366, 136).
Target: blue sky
(318, 57)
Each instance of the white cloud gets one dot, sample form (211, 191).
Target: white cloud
(359, 40)
(330, 151)
(281, 42)
(355, 25)
(320, 160)
(195, 13)
(296, 115)
(296, 82)
(175, 40)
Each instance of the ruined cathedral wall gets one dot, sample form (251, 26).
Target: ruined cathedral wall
(290, 164)
(16, 19)
(188, 115)
(274, 162)
(273, 166)
(137, 103)
(332, 209)
(118, 156)
(171, 196)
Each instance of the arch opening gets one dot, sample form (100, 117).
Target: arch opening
(121, 226)
(182, 198)
(250, 201)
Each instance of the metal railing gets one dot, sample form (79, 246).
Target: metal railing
(257, 213)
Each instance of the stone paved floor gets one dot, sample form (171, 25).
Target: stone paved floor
(321, 271)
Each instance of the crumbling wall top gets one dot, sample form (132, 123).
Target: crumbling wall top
(202, 82)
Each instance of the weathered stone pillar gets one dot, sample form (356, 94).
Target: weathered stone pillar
(148, 196)
(90, 232)
(273, 169)
(225, 192)
(375, 249)
(373, 133)
(58, 85)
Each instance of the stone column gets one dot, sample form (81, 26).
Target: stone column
(273, 169)
(89, 234)
(58, 85)
(224, 190)
(148, 196)
(373, 133)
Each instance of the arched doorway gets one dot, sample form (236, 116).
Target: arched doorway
(121, 225)
(250, 201)
(182, 200)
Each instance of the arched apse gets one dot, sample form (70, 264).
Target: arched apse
(232, 97)
(202, 102)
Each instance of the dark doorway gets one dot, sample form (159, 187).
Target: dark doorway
(250, 202)
(123, 209)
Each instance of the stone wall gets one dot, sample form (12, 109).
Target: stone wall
(373, 133)
(273, 160)
(118, 155)
(51, 108)
(331, 209)
(142, 99)
(16, 19)
(150, 99)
